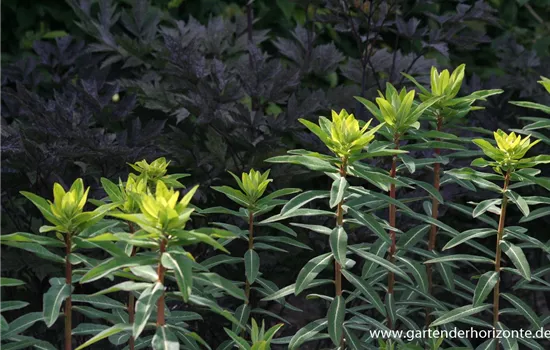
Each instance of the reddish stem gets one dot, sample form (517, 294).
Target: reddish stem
(131, 298)
(68, 301)
(496, 290)
(160, 272)
(250, 247)
(435, 214)
(337, 266)
(392, 218)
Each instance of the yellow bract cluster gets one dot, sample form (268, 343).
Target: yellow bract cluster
(513, 146)
(153, 171)
(343, 135)
(445, 83)
(253, 184)
(67, 205)
(163, 210)
(395, 107)
(134, 186)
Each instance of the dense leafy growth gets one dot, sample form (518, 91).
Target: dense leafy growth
(168, 182)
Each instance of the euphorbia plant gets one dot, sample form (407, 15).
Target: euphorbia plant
(162, 218)
(67, 214)
(346, 138)
(447, 111)
(399, 113)
(510, 164)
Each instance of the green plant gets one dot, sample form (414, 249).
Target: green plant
(260, 339)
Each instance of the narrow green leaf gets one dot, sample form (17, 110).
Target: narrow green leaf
(339, 244)
(515, 254)
(144, 307)
(10, 282)
(418, 271)
(412, 236)
(460, 257)
(519, 201)
(307, 333)
(183, 270)
(117, 328)
(226, 285)
(382, 262)
(53, 299)
(20, 324)
(164, 339)
(282, 239)
(483, 206)
(469, 234)
(337, 191)
(301, 200)
(367, 290)
(127, 286)
(99, 301)
(110, 265)
(31, 238)
(390, 307)
(12, 305)
(524, 309)
(458, 314)
(311, 270)
(370, 222)
(484, 287)
(251, 265)
(335, 316)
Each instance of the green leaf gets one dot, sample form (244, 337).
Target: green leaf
(458, 314)
(183, 271)
(30, 238)
(242, 344)
(43, 206)
(484, 287)
(88, 328)
(390, 307)
(483, 206)
(309, 162)
(524, 309)
(337, 191)
(12, 305)
(224, 284)
(467, 235)
(117, 328)
(412, 236)
(251, 265)
(242, 313)
(164, 339)
(428, 188)
(99, 301)
(490, 344)
(127, 286)
(301, 200)
(307, 333)
(367, 290)
(335, 316)
(418, 271)
(536, 214)
(382, 262)
(519, 201)
(10, 282)
(282, 239)
(311, 270)
(53, 299)
(515, 254)
(351, 339)
(37, 250)
(20, 324)
(338, 244)
(460, 257)
(233, 194)
(144, 307)
(113, 264)
(370, 222)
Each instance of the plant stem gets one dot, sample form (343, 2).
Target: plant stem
(68, 301)
(496, 291)
(131, 298)
(392, 218)
(250, 247)
(160, 272)
(435, 214)
(340, 222)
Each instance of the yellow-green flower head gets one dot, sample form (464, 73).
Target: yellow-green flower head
(445, 83)
(253, 184)
(134, 186)
(67, 205)
(511, 148)
(163, 210)
(153, 171)
(395, 107)
(545, 82)
(343, 135)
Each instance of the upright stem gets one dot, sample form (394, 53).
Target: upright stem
(131, 298)
(160, 272)
(250, 247)
(68, 301)
(392, 218)
(496, 291)
(435, 214)
(340, 222)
